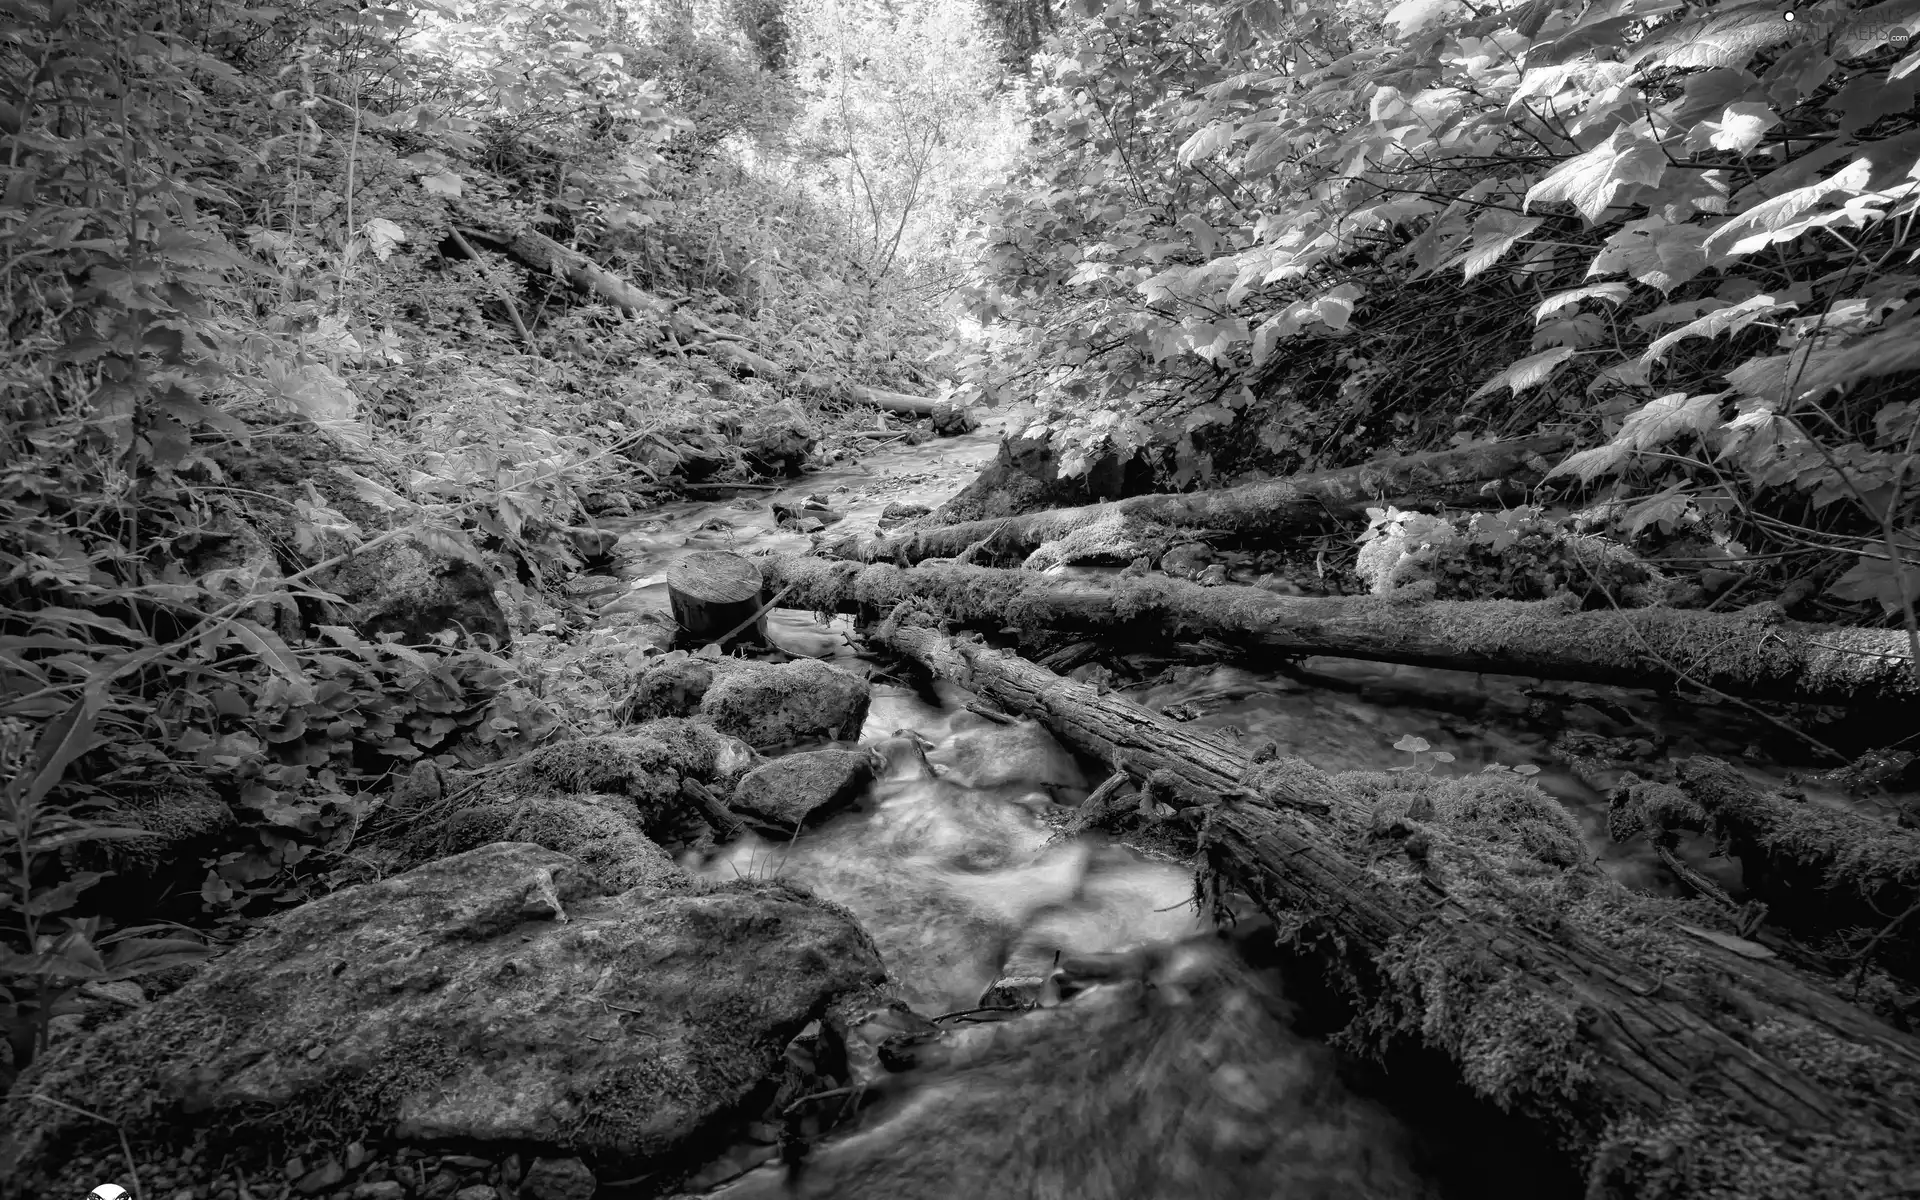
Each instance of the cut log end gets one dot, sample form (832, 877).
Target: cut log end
(714, 592)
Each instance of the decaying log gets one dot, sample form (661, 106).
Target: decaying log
(1274, 509)
(765, 368)
(1822, 871)
(1754, 653)
(549, 257)
(1455, 914)
(714, 593)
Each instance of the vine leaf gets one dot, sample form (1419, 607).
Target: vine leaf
(1589, 181)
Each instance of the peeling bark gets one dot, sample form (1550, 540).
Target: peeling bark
(1751, 654)
(1661, 1056)
(1274, 509)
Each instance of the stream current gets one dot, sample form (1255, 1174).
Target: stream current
(960, 878)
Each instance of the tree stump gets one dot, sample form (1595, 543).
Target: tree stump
(713, 593)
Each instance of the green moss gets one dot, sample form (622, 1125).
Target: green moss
(644, 765)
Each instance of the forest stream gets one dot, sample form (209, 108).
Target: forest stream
(954, 862)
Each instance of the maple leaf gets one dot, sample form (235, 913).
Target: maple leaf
(1723, 39)
(1660, 421)
(1713, 324)
(1613, 293)
(1652, 251)
(1495, 233)
(1531, 371)
(1589, 181)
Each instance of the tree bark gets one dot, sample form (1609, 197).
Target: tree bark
(1273, 509)
(1751, 654)
(1822, 872)
(1660, 1055)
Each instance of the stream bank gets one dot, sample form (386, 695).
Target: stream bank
(1076, 978)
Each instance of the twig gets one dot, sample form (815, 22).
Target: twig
(985, 1008)
(762, 611)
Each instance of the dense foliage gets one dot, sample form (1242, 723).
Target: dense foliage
(255, 338)
(1270, 237)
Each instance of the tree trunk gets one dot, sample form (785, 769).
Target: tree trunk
(1822, 872)
(1743, 654)
(714, 593)
(1275, 509)
(1660, 1055)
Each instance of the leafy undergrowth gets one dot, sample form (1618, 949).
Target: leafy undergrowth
(1256, 238)
(308, 306)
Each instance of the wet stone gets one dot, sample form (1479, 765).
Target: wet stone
(790, 791)
(558, 1179)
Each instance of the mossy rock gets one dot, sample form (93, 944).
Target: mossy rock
(763, 704)
(603, 832)
(644, 765)
(497, 998)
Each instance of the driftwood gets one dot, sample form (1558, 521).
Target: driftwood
(1752, 654)
(1660, 1055)
(1275, 509)
(1822, 872)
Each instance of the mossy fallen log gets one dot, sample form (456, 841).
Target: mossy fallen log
(543, 254)
(1465, 915)
(1848, 880)
(1274, 509)
(1755, 653)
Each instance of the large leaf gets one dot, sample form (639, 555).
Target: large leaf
(1589, 181)
(1662, 420)
(1726, 320)
(1722, 39)
(1493, 235)
(1888, 352)
(1531, 371)
(1612, 293)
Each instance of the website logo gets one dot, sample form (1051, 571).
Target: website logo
(108, 1191)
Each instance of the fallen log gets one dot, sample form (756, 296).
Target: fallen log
(1274, 509)
(1847, 879)
(1465, 915)
(1754, 653)
(743, 358)
(549, 257)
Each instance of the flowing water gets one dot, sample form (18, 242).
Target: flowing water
(958, 874)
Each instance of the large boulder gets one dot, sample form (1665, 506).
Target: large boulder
(763, 704)
(788, 792)
(496, 999)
